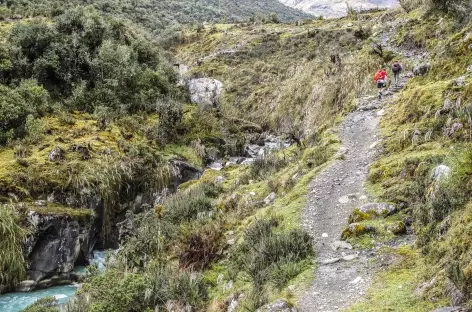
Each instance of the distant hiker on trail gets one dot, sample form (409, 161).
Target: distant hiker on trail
(396, 69)
(381, 80)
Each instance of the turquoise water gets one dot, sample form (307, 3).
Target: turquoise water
(15, 302)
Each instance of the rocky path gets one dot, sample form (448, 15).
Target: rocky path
(343, 274)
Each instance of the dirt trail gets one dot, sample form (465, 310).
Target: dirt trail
(344, 275)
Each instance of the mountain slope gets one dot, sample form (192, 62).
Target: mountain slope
(158, 14)
(337, 8)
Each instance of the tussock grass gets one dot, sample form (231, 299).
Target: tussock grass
(12, 235)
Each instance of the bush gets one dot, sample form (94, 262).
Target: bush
(89, 61)
(47, 304)
(115, 292)
(35, 129)
(266, 255)
(186, 206)
(201, 246)
(264, 167)
(17, 103)
(179, 289)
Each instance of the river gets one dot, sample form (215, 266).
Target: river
(17, 301)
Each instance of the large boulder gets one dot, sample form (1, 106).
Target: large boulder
(56, 245)
(205, 92)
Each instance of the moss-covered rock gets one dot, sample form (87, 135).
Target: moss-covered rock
(356, 230)
(358, 216)
(397, 228)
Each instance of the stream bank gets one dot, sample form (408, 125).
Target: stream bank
(17, 301)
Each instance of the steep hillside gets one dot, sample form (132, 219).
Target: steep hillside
(162, 17)
(223, 170)
(327, 8)
(311, 70)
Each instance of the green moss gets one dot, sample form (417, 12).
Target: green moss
(59, 210)
(185, 152)
(187, 185)
(358, 216)
(394, 289)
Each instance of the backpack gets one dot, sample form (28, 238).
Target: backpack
(396, 68)
(377, 76)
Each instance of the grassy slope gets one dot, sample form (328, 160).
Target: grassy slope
(415, 128)
(273, 69)
(281, 76)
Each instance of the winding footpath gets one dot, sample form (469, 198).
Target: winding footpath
(344, 274)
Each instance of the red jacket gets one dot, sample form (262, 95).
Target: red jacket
(380, 75)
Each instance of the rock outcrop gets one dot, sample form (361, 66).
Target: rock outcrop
(205, 92)
(56, 245)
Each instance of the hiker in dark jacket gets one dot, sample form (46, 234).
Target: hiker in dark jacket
(396, 69)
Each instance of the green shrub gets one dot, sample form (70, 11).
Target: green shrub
(265, 255)
(190, 204)
(183, 289)
(47, 304)
(18, 103)
(115, 291)
(264, 167)
(35, 129)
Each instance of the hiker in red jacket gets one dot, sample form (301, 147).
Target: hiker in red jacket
(381, 80)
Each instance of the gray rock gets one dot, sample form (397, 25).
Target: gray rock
(253, 151)
(56, 154)
(215, 166)
(236, 160)
(378, 209)
(357, 229)
(206, 92)
(281, 305)
(26, 286)
(451, 309)
(182, 172)
(350, 257)
(41, 203)
(126, 227)
(270, 199)
(440, 172)
(340, 245)
(56, 245)
(330, 261)
(460, 82)
(456, 296)
(248, 161)
(421, 69)
(469, 68)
